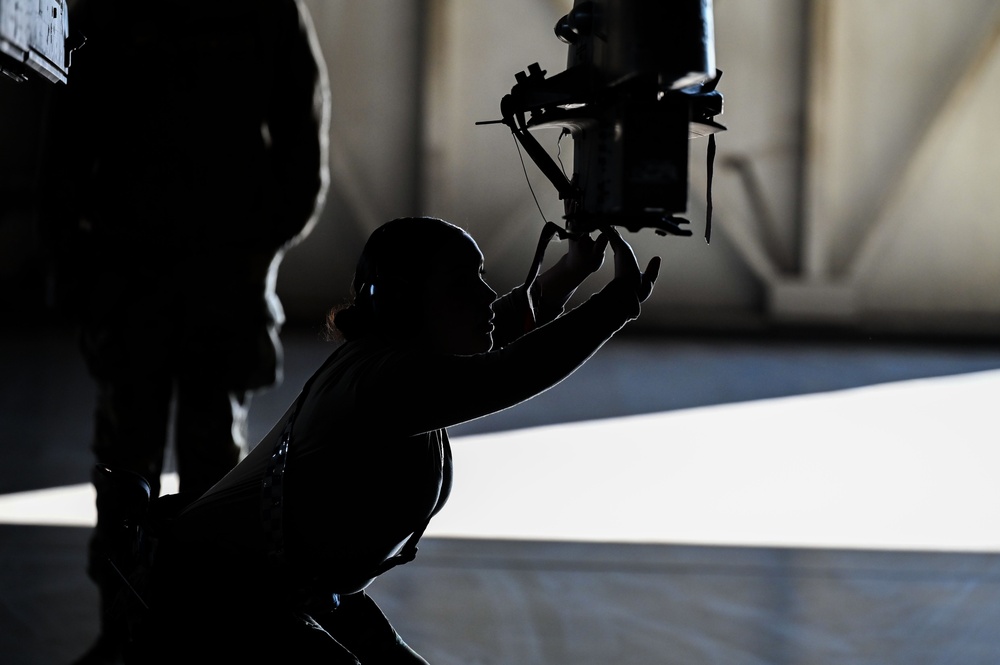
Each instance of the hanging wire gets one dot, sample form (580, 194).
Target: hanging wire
(526, 178)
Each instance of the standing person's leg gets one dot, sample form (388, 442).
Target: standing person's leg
(125, 318)
(131, 424)
(130, 434)
(210, 432)
(227, 347)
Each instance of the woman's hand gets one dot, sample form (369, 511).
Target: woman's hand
(627, 267)
(585, 255)
(549, 293)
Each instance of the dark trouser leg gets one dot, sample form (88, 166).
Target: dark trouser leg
(200, 636)
(210, 433)
(130, 434)
(205, 607)
(361, 626)
(131, 422)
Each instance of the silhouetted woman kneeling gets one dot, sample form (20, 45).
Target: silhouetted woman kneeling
(272, 563)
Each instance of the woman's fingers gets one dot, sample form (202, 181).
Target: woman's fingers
(649, 278)
(585, 254)
(627, 267)
(600, 245)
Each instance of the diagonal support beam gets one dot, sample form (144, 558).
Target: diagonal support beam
(922, 158)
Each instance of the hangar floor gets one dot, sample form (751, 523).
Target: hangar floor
(676, 501)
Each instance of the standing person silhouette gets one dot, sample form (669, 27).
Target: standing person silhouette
(273, 563)
(187, 154)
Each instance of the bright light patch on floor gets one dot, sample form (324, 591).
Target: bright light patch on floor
(909, 465)
(902, 466)
(72, 505)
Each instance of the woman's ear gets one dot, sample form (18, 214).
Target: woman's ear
(368, 290)
(386, 300)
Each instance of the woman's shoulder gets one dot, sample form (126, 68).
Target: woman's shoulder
(349, 364)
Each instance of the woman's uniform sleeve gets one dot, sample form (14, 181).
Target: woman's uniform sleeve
(512, 317)
(432, 391)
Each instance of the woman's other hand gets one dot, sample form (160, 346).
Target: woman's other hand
(585, 255)
(627, 267)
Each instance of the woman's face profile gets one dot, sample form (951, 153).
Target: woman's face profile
(457, 316)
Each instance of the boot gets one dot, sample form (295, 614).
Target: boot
(122, 500)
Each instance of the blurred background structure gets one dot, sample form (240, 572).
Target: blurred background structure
(854, 188)
(856, 249)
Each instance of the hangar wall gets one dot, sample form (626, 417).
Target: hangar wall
(855, 187)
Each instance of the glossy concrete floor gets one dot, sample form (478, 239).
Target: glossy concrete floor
(711, 501)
